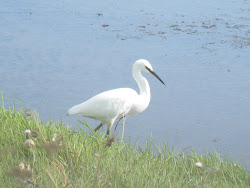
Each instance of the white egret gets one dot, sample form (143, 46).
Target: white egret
(112, 105)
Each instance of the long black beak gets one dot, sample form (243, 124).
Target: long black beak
(154, 74)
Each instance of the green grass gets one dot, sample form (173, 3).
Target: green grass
(78, 159)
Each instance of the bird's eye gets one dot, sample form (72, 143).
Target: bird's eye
(148, 68)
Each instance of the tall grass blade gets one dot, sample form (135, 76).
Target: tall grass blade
(92, 130)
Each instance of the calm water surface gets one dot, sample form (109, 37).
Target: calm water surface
(54, 55)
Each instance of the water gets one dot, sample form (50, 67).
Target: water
(54, 55)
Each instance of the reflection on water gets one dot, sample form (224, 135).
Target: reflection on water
(55, 55)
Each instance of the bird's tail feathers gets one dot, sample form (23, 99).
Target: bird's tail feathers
(73, 111)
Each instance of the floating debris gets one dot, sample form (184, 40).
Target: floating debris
(105, 25)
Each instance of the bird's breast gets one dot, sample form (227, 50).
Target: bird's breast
(140, 104)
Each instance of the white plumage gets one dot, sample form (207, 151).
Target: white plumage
(111, 105)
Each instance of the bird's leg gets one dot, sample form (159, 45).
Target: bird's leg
(109, 126)
(98, 127)
(107, 133)
(118, 122)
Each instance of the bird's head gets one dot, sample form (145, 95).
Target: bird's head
(141, 64)
(144, 65)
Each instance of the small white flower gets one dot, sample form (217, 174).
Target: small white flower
(21, 166)
(54, 137)
(199, 165)
(27, 132)
(29, 143)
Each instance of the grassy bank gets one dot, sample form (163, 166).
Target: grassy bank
(63, 158)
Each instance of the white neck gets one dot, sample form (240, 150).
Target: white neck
(143, 85)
